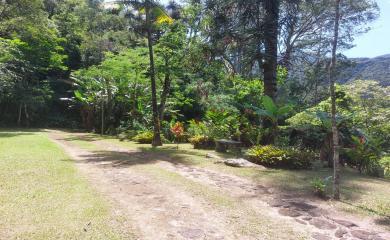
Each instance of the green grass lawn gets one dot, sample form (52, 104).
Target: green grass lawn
(42, 196)
(361, 194)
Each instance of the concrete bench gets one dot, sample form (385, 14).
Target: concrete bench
(222, 145)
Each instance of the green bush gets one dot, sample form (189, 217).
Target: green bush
(365, 155)
(272, 156)
(385, 164)
(320, 185)
(144, 137)
(216, 125)
(221, 124)
(127, 135)
(147, 138)
(196, 128)
(202, 142)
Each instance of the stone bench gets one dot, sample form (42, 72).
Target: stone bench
(222, 145)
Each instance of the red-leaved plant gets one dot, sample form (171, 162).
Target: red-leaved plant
(178, 131)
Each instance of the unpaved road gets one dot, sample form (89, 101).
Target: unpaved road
(164, 198)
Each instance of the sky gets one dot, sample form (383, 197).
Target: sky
(374, 43)
(377, 41)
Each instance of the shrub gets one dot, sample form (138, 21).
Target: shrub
(272, 156)
(202, 142)
(364, 155)
(127, 135)
(319, 186)
(251, 135)
(144, 137)
(217, 124)
(197, 128)
(385, 163)
(221, 124)
(177, 130)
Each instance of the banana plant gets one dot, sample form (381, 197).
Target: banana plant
(272, 113)
(92, 91)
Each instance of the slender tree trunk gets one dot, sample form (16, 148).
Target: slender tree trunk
(109, 102)
(27, 115)
(20, 114)
(165, 92)
(317, 69)
(102, 116)
(133, 111)
(335, 133)
(90, 118)
(156, 120)
(271, 46)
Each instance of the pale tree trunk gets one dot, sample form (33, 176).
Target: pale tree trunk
(109, 102)
(335, 133)
(156, 119)
(165, 92)
(102, 116)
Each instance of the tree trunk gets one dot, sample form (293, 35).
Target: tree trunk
(335, 133)
(271, 46)
(102, 116)
(156, 120)
(165, 92)
(109, 102)
(134, 108)
(27, 115)
(20, 114)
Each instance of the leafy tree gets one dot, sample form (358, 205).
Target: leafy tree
(116, 85)
(335, 132)
(171, 51)
(370, 109)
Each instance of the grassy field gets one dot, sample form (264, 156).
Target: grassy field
(231, 208)
(42, 196)
(362, 195)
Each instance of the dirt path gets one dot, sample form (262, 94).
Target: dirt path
(160, 210)
(156, 211)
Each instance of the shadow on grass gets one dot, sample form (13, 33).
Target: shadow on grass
(87, 137)
(294, 183)
(121, 159)
(7, 133)
(383, 221)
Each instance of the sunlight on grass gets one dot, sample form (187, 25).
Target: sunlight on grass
(360, 194)
(42, 195)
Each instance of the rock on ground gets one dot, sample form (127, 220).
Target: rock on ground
(239, 162)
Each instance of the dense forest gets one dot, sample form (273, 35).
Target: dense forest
(254, 71)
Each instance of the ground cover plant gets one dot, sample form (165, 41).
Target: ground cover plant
(43, 196)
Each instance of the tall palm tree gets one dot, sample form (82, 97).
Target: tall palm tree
(154, 14)
(156, 119)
